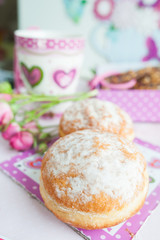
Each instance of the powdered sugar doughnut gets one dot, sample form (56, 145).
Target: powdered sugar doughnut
(91, 179)
(96, 114)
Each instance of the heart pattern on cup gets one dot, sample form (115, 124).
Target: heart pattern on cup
(33, 75)
(63, 79)
(36, 163)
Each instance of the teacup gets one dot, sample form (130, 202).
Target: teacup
(47, 62)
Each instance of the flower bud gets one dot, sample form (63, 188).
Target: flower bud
(6, 114)
(22, 141)
(31, 126)
(6, 97)
(11, 130)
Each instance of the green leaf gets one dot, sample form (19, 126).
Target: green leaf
(83, 1)
(43, 135)
(35, 143)
(15, 108)
(93, 71)
(112, 27)
(42, 147)
(5, 87)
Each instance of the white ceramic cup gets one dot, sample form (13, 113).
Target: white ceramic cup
(47, 62)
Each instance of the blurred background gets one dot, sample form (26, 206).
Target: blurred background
(8, 23)
(115, 30)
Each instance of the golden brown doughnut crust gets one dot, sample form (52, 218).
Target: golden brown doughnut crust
(101, 209)
(96, 114)
(93, 221)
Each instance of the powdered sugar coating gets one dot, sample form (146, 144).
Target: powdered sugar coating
(100, 162)
(96, 114)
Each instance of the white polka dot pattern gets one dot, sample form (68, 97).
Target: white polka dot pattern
(141, 105)
(118, 236)
(102, 237)
(128, 224)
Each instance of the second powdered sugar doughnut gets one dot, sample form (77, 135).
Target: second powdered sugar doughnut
(96, 114)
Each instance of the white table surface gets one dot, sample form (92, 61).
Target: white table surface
(24, 218)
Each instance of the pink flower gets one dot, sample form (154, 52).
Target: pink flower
(12, 129)
(21, 141)
(6, 97)
(31, 126)
(6, 114)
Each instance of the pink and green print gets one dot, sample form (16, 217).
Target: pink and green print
(64, 79)
(35, 164)
(33, 75)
